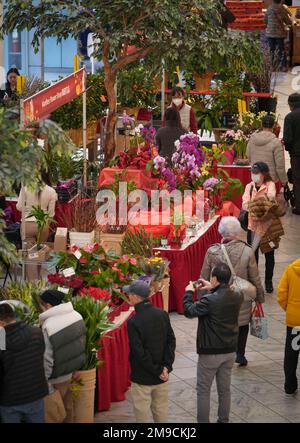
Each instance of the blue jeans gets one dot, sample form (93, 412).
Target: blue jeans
(28, 413)
(277, 49)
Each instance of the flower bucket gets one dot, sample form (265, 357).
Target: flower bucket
(83, 401)
(81, 239)
(203, 81)
(112, 242)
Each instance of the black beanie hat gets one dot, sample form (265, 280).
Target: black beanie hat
(260, 167)
(294, 99)
(52, 297)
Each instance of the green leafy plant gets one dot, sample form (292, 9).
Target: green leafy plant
(69, 116)
(208, 119)
(27, 293)
(8, 252)
(42, 218)
(139, 243)
(136, 87)
(94, 314)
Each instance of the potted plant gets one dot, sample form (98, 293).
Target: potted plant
(208, 119)
(95, 316)
(42, 218)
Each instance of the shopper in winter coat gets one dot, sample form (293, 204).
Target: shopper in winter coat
(217, 338)
(65, 335)
(291, 137)
(289, 300)
(260, 185)
(152, 352)
(167, 136)
(23, 383)
(264, 146)
(245, 266)
(277, 19)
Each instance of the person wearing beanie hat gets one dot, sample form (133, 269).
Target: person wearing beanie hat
(264, 146)
(291, 138)
(152, 352)
(260, 186)
(64, 334)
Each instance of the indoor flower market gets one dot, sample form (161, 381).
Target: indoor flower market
(149, 218)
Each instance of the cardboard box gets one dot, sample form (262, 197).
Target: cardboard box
(60, 239)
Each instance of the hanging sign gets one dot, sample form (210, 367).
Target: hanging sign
(46, 101)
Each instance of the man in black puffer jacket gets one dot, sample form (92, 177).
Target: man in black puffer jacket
(23, 383)
(217, 338)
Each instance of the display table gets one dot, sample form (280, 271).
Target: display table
(114, 374)
(186, 263)
(142, 178)
(242, 173)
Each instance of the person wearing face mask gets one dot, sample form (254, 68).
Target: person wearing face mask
(264, 228)
(217, 338)
(10, 91)
(186, 112)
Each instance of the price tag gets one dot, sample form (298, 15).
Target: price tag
(63, 290)
(77, 254)
(68, 272)
(33, 255)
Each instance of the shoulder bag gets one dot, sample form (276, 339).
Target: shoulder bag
(248, 290)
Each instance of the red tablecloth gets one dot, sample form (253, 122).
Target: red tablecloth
(114, 373)
(185, 265)
(243, 173)
(142, 178)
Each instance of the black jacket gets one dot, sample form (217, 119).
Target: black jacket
(218, 319)
(291, 133)
(152, 344)
(22, 375)
(166, 138)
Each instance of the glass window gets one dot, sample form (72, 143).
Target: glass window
(68, 49)
(52, 53)
(15, 50)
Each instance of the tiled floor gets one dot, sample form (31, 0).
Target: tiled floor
(257, 391)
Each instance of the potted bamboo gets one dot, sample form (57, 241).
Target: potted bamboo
(94, 313)
(40, 250)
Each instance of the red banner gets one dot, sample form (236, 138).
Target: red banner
(46, 101)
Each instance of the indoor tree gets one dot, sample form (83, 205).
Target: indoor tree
(127, 31)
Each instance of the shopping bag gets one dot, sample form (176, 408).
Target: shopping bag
(258, 323)
(54, 408)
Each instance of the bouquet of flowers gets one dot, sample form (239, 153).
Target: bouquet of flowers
(238, 139)
(156, 267)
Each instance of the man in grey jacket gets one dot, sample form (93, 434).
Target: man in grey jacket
(65, 335)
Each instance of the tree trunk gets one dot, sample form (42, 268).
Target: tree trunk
(110, 141)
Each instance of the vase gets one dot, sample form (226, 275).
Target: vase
(84, 400)
(203, 81)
